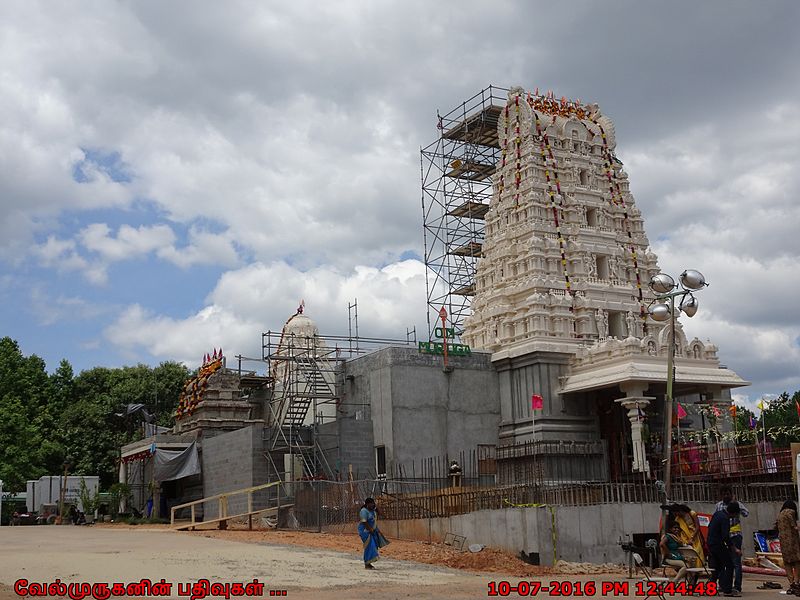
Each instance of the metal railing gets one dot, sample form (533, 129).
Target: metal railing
(694, 462)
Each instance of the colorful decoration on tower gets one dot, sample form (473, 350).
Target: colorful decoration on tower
(616, 197)
(546, 151)
(192, 393)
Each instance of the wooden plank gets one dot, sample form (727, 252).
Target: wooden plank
(229, 517)
(233, 493)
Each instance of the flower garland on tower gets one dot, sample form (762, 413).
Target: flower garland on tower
(502, 185)
(546, 151)
(619, 200)
(518, 146)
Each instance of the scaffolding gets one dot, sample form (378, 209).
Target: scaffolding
(307, 379)
(457, 180)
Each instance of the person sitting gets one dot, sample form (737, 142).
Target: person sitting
(670, 542)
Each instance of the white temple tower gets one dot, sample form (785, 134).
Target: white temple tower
(565, 254)
(561, 287)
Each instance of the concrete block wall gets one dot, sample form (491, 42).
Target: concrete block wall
(359, 449)
(233, 461)
(417, 409)
(582, 533)
(348, 441)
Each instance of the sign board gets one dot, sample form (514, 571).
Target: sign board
(438, 348)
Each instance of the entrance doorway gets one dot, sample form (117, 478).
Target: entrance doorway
(616, 431)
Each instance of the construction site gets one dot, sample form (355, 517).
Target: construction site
(526, 418)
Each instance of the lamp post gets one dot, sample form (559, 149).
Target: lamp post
(1, 501)
(666, 289)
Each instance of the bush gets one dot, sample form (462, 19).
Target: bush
(117, 493)
(90, 502)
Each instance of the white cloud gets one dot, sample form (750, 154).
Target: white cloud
(103, 247)
(50, 309)
(61, 254)
(260, 297)
(128, 243)
(203, 248)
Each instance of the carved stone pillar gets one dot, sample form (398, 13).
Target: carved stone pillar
(635, 406)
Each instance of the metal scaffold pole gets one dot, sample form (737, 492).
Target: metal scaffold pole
(457, 172)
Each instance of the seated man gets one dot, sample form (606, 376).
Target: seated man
(670, 542)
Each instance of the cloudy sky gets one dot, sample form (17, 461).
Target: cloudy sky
(176, 176)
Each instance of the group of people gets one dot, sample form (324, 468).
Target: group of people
(722, 545)
(723, 542)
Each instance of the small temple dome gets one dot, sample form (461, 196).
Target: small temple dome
(301, 326)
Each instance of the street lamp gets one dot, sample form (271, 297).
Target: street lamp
(665, 288)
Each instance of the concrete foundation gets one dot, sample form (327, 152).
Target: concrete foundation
(579, 533)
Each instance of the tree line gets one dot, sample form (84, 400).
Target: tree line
(47, 418)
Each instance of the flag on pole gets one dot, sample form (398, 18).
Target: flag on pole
(760, 404)
(732, 409)
(537, 402)
(752, 421)
(681, 412)
(797, 406)
(715, 410)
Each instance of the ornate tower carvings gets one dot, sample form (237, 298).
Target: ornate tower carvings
(565, 260)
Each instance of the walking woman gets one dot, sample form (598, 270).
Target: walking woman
(790, 545)
(368, 531)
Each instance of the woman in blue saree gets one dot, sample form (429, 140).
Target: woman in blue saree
(368, 531)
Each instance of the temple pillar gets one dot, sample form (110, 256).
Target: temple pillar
(635, 406)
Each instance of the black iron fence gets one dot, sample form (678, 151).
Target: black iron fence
(568, 462)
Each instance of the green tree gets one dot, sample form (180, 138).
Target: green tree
(44, 418)
(19, 442)
(170, 378)
(24, 393)
(782, 412)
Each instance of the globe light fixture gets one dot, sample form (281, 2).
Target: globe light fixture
(659, 312)
(662, 283)
(692, 280)
(689, 306)
(666, 291)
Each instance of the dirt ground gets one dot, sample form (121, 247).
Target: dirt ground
(305, 565)
(488, 560)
